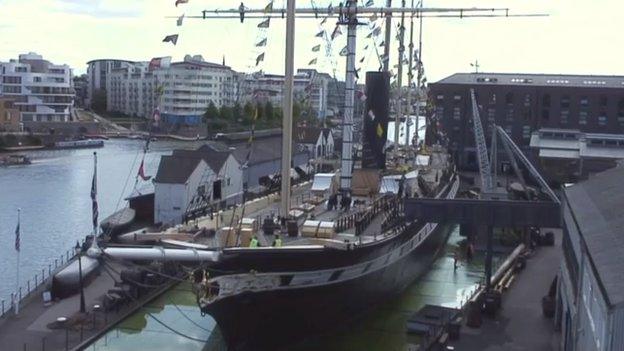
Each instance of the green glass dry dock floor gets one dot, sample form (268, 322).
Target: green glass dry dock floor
(382, 329)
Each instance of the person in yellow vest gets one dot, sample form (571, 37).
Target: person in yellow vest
(278, 241)
(253, 242)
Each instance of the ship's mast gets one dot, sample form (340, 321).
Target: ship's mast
(287, 106)
(410, 75)
(399, 102)
(388, 33)
(350, 19)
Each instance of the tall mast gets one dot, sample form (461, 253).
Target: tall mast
(350, 19)
(410, 75)
(388, 31)
(397, 118)
(419, 74)
(287, 106)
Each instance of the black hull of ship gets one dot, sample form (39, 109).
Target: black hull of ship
(273, 319)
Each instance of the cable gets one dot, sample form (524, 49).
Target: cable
(170, 301)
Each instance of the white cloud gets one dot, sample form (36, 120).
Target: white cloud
(577, 38)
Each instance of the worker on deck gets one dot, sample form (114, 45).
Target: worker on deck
(253, 242)
(278, 241)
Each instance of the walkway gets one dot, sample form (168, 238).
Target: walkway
(520, 324)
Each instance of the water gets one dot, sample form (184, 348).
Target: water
(54, 196)
(382, 329)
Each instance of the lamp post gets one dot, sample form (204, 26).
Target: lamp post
(78, 251)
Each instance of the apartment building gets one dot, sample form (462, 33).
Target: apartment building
(181, 91)
(40, 90)
(97, 75)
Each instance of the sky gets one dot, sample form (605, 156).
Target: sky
(579, 37)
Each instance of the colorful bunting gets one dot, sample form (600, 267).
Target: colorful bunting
(179, 21)
(171, 39)
(324, 20)
(260, 58)
(344, 51)
(262, 42)
(312, 62)
(370, 3)
(373, 17)
(379, 130)
(265, 23)
(178, 2)
(362, 59)
(336, 33)
(382, 43)
(269, 7)
(376, 31)
(320, 34)
(316, 48)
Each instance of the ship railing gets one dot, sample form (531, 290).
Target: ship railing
(33, 285)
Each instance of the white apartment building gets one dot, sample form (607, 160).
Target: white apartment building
(181, 92)
(41, 90)
(310, 86)
(97, 75)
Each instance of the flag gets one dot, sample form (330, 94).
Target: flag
(178, 2)
(316, 48)
(371, 115)
(369, 3)
(179, 21)
(268, 7)
(369, 35)
(17, 233)
(260, 58)
(159, 62)
(373, 17)
(344, 51)
(382, 43)
(361, 95)
(324, 20)
(320, 34)
(336, 32)
(94, 204)
(362, 59)
(265, 23)
(366, 47)
(142, 172)
(379, 130)
(376, 31)
(171, 39)
(262, 42)
(312, 62)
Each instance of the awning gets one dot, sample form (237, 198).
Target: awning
(554, 153)
(323, 181)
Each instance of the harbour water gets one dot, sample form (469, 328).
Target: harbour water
(54, 196)
(174, 322)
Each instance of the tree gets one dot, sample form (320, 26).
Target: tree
(268, 111)
(260, 111)
(226, 113)
(211, 112)
(237, 111)
(99, 100)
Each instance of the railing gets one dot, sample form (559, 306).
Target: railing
(361, 220)
(37, 281)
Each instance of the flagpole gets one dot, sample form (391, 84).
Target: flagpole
(17, 246)
(94, 250)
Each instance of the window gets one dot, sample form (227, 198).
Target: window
(493, 99)
(526, 132)
(457, 97)
(509, 98)
(37, 79)
(584, 101)
(510, 115)
(491, 115)
(546, 100)
(545, 114)
(565, 101)
(440, 97)
(456, 113)
(604, 101)
(527, 100)
(602, 119)
(583, 117)
(565, 114)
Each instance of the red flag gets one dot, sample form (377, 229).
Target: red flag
(142, 173)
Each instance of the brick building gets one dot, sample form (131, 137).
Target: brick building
(524, 103)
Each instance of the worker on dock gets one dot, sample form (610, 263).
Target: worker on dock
(455, 260)
(253, 242)
(278, 241)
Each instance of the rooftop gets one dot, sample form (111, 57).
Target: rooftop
(598, 208)
(546, 80)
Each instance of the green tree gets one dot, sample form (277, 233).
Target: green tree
(260, 110)
(99, 100)
(237, 111)
(211, 112)
(226, 113)
(268, 111)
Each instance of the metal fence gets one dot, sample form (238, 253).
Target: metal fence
(35, 282)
